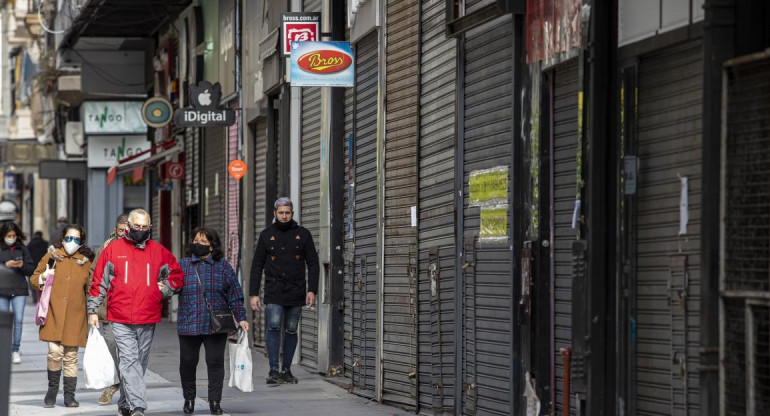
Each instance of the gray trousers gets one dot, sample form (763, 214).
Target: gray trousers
(133, 342)
(109, 338)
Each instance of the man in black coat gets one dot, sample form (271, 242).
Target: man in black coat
(283, 251)
(37, 249)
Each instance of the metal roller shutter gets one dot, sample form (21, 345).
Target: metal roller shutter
(474, 5)
(260, 182)
(192, 166)
(230, 239)
(437, 212)
(364, 285)
(564, 188)
(399, 343)
(154, 205)
(350, 274)
(487, 322)
(310, 203)
(745, 315)
(215, 151)
(668, 264)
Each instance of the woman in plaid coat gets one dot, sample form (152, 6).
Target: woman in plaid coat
(208, 278)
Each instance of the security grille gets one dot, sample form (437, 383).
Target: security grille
(745, 274)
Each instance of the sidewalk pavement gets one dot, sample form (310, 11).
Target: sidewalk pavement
(312, 396)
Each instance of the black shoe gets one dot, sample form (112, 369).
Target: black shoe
(53, 388)
(122, 411)
(215, 408)
(69, 391)
(273, 377)
(138, 412)
(287, 377)
(189, 407)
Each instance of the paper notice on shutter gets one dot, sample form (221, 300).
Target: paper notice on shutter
(576, 214)
(683, 207)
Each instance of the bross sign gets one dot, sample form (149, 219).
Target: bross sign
(324, 61)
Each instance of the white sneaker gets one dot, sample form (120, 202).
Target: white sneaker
(16, 357)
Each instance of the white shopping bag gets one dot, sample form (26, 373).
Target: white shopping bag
(98, 366)
(240, 365)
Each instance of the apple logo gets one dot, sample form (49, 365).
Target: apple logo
(205, 95)
(204, 98)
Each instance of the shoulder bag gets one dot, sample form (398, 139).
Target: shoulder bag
(222, 322)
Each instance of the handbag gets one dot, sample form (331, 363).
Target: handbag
(222, 322)
(41, 312)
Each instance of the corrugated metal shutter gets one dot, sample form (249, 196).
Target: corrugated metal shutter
(399, 343)
(437, 212)
(230, 238)
(310, 203)
(215, 152)
(746, 246)
(364, 290)
(474, 5)
(154, 205)
(350, 273)
(487, 283)
(669, 147)
(192, 165)
(260, 183)
(564, 187)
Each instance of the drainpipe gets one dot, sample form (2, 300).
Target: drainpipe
(381, 22)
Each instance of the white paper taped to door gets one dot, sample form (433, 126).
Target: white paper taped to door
(683, 207)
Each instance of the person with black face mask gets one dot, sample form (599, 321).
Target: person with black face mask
(211, 285)
(138, 273)
(283, 251)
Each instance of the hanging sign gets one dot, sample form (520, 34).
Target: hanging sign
(205, 110)
(322, 64)
(113, 117)
(174, 170)
(237, 169)
(299, 27)
(157, 112)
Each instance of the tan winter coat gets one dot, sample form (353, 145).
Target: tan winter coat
(66, 321)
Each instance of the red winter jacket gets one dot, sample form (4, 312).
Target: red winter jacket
(128, 275)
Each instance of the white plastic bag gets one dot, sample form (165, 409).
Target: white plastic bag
(240, 365)
(98, 366)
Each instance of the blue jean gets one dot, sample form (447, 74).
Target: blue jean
(289, 317)
(17, 304)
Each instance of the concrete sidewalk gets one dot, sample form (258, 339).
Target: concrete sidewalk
(312, 396)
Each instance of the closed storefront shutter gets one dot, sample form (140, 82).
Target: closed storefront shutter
(745, 333)
(260, 182)
(667, 281)
(310, 199)
(350, 274)
(192, 165)
(399, 339)
(230, 238)
(154, 204)
(437, 212)
(564, 191)
(364, 285)
(487, 282)
(214, 169)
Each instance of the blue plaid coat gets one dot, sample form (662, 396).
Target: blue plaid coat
(221, 288)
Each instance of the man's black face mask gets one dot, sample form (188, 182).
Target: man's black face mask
(138, 236)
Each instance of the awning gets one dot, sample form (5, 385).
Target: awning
(122, 19)
(166, 149)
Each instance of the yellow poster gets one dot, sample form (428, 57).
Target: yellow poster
(493, 225)
(488, 186)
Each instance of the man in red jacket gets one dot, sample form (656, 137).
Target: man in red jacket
(135, 274)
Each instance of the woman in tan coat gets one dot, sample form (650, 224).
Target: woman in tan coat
(66, 328)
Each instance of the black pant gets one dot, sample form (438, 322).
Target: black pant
(189, 352)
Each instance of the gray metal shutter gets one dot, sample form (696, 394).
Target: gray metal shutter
(564, 187)
(260, 183)
(669, 147)
(487, 290)
(192, 165)
(154, 205)
(364, 290)
(437, 212)
(214, 153)
(310, 203)
(399, 339)
(350, 274)
(745, 329)
(474, 5)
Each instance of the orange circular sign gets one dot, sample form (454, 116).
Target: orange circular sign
(237, 169)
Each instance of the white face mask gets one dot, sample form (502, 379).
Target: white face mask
(9, 241)
(71, 247)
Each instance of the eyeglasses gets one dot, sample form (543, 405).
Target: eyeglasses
(70, 239)
(139, 227)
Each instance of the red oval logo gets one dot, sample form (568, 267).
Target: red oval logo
(324, 61)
